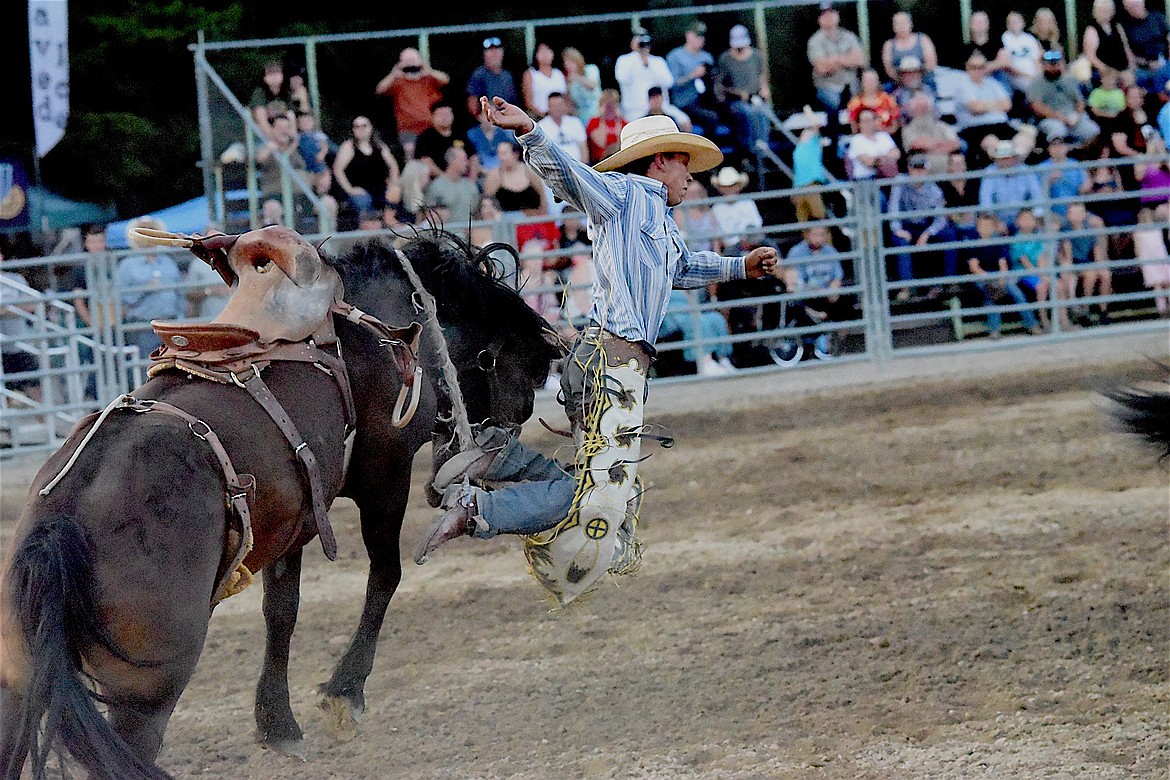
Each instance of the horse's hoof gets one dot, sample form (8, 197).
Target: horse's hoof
(293, 748)
(342, 717)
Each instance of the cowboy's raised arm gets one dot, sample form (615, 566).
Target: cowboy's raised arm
(596, 194)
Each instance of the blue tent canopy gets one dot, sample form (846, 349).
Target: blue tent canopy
(188, 217)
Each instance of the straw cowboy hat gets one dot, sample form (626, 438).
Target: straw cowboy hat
(729, 177)
(650, 135)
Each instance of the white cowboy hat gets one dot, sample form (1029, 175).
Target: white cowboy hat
(1005, 149)
(729, 177)
(653, 134)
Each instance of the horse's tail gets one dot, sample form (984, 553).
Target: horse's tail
(50, 587)
(1145, 413)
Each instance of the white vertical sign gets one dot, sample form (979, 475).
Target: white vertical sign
(48, 48)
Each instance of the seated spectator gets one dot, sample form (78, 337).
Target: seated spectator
(739, 220)
(808, 169)
(705, 326)
(1147, 33)
(991, 259)
(416, 177)
(298, 92)
(636, 71)
(1045, 28)
(692, 67)
(317, 149)
(696, 221)
(490, 228)
(564, 129)
(364, 167)
(1082, 250)
(1106, 101)
(413, 87)
(907, 43)
(910, 227)
(813, 269)
(872, 152)
(541, 80)
(1113, 209)
(483, 140)
(269, 173)
(926, 134)
(1031, 254)
(743, 89)
(1010, 185)
(1149, 242)
(981, 106)
(515, 186)
(271, 98)
(1104, 42)
(605, 129)
(14, 328)
(961, 192)
(1061, 180)
(1127, 132)
(873, 98)
(207, 293)
(584, 84)
(490, 79)
(453, 196)
(370, 220)
(432, 144)
(1056, 100)
(836, 57)
(910, 86)
(992, 49)
(1154, 178)
(147, 287)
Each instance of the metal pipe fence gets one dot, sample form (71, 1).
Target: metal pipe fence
(72, 366)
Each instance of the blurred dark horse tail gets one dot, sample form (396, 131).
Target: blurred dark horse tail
(50, 584)
(1145, 413)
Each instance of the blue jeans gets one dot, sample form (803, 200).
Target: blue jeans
(994, 319)
(540, 494)
(916, 229)
(751, 125)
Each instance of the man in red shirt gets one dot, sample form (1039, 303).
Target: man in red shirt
(605, 130)
(414, 88)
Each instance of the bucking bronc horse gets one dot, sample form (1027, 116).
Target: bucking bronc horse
(221, 465)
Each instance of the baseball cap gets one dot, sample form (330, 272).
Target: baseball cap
(1053, 55)
(910, 63)
(739, 37)
(918, 161)
(492, 43)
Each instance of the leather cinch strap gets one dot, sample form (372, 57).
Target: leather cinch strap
(259, 391)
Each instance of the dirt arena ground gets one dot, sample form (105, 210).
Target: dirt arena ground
(913, 572)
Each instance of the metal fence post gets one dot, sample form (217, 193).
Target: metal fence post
(206, 153)
(869, 243)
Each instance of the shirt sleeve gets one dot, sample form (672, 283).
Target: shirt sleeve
(598, 195)
(698, 269)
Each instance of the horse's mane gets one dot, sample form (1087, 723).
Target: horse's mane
(465, 282)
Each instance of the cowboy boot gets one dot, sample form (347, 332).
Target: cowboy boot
(472, 463)
(461, 519)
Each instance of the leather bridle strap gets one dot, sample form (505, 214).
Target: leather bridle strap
(263, 396)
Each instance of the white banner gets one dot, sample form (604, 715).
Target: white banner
(48, 49)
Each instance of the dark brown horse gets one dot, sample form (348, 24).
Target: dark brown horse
(110, 576)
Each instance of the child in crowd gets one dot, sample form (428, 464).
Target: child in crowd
(1081, 250)
(1107, 100)
(1149, 243)
(994, 258)
(1029, 253)
(1062, 181)
(808, 169)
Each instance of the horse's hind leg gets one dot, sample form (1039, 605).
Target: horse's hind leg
(276, 727)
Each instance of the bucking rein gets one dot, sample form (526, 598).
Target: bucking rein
(238, 344)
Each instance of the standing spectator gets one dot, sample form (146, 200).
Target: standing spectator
(992, 49)
(836, 58)
(564, 129)
(813, 267)
(910, 226)
(1149, 243)
(743, 87)
(1031, 254)
(416, 177)
(873, 98)
(1154, 178)
(540, 80)
(636, 71)
(298, 92)
(413, 87)
(1104, 42)
(364, 167)
(1045, 28)
(910, 86)
(453, 196)
(981, 106)
(1081, 250)
(872, 152)
(740, 221)
(991, 259)
(1010, 185)
(926, 134)
(584, 84)
(15, 327)
(605, 129)
(483, 140)
(490, 80)
(1062, 181)
(907, 43)
(146, 285)
(808, 169)
(706, 326)
(1056, 100)
(1147, 32)
(271, 98)
(1023, 52)
(691, 66)
(433, 143)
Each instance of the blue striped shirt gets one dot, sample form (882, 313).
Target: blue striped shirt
(638, 252)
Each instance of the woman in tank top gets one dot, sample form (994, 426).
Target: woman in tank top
(907, 43)
(1104, 42)
(541, 80)
(364, 167)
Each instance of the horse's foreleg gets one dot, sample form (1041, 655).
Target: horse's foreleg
(14, 744)
(276, 727)
(343, 697)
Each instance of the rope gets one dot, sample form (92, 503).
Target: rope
(117, 403)
(450, 376)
